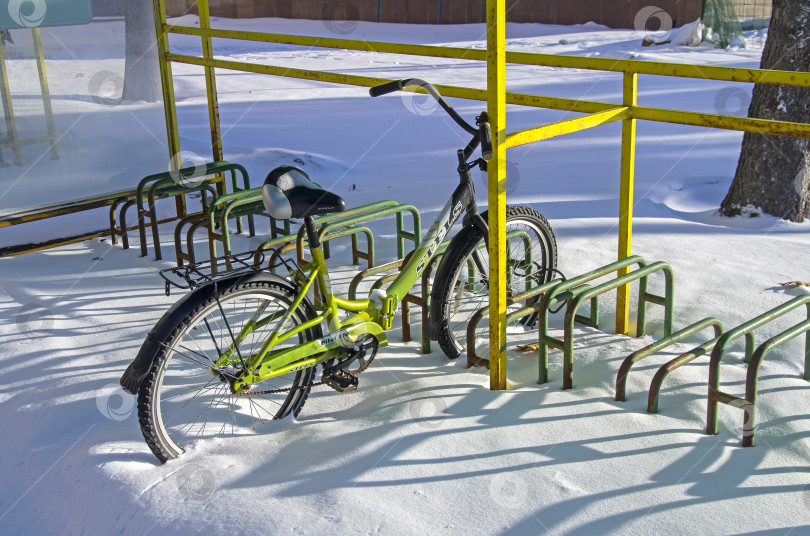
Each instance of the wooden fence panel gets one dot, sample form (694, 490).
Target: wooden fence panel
(612, 13)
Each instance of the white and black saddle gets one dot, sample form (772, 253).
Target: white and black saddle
(288, 193)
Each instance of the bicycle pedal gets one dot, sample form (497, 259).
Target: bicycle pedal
(342, 384)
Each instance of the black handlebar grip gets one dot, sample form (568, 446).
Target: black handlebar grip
(384, 89)
(486, 140)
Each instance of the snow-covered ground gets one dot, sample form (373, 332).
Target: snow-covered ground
(422, 446)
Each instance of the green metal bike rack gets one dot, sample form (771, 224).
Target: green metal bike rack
(644, 297)
(375, 214)
(423, 300)
(575, 292)
(284, 231)
(283, 241)
(235, 205)
(369, 272)
(666, 369)
(300, 241)
(754, 359)
(277, 229)
(172, 184)
(565, 291)
(472, 357)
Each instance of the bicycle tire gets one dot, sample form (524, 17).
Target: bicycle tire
(169, 413)
(456, 296)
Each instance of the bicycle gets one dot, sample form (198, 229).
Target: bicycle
(243, 347)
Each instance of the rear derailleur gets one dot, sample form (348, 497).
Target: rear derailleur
(341, 373)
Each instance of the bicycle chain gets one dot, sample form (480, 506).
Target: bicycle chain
(302, 387)
(282, 390)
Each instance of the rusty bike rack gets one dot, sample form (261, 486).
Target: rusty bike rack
(330, 223)
(174, 184)
(423, 300)
(551, 293)
(754, 359)
(670, 366)
(643, 298)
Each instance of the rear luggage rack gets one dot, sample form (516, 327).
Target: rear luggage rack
(191, 276)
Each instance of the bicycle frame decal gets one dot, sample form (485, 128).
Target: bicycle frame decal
(445, 221)
(462, 198)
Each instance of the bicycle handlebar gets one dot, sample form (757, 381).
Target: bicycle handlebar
(398, 85)
(384, 89)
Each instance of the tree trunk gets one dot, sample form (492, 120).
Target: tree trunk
(773, 172)
(141, 72)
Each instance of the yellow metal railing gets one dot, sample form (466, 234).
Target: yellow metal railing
(496, 97)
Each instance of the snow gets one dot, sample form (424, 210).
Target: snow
(422, 446)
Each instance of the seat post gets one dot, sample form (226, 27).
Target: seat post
(312, 233)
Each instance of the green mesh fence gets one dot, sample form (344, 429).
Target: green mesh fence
(727, 19)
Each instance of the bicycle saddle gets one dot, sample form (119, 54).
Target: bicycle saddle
(288, 193)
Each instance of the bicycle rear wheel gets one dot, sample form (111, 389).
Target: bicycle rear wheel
(185, 397)
(462, 279)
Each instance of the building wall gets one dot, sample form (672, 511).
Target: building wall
(613, 13)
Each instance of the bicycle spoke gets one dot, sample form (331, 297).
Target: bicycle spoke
(196, 404)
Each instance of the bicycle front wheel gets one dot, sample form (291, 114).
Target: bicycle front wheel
(186, 397)
(462, 280)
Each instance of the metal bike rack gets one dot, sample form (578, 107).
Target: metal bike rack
(423, 300)
(279, 230)
(345, 215)
(281, 235)
(639, 275)
(663, 372)
(375, 214)
(173, 184)
(575, 289)
(475, 319)
(298, 242)
(754, 359)
(575, 292)
(244, 203)
(236, 205)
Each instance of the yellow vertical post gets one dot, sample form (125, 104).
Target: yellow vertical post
(46, 94)
(496, 109)
(630, 86)
(8, 109)
(167, 83)
(210, 82)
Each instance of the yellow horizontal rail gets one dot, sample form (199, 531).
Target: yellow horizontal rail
(566, 126)
(709, 72)
(61, 209)
(746, 124)
(330, 42)
(729, 74)
(763, 126)
(290, 72)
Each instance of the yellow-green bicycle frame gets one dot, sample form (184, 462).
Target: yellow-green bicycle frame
(371, 317)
